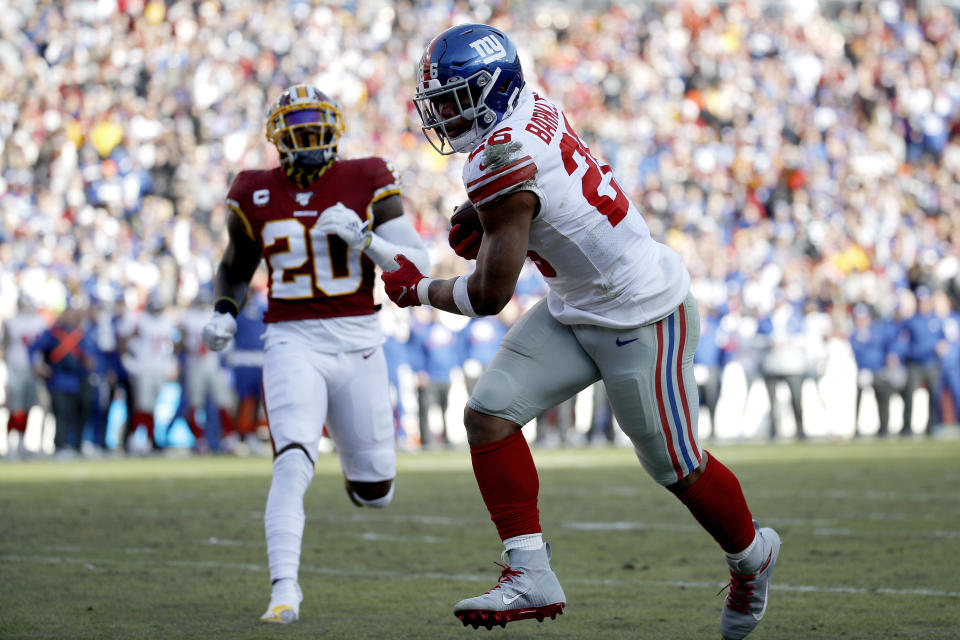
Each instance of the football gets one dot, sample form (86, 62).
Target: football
(467, 217)
(466, 231)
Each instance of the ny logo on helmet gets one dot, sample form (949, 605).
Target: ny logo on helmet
(490, 47)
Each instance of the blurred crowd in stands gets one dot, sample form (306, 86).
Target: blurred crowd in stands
(803, 157)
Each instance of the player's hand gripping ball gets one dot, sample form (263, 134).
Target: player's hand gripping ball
(466, 232)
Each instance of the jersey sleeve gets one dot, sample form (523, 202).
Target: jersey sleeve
(503, 165)
(382, 179)
(239, 200)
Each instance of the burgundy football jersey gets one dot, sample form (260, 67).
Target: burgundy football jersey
(312, 275)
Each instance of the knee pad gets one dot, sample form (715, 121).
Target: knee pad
(493, 392)
(377, 503)
(293, 461)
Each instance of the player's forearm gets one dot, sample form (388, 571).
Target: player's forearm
(230, 290)
(466, 295)
(440, 295)
(382, 252)
(394, 237)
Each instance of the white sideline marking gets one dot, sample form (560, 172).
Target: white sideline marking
(820, 528)
(469, 577)
(214, 541)
(322, 517)
(376, 537)
(892, 496)
(627, 526)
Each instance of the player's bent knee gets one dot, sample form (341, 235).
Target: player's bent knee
(484, 429)
(293, 460)
(681, 486)
(370, 494)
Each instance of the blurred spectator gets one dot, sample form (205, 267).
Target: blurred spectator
(554, 427)
(65, 356)
(709, 360)
(923, 333)
(601, 418)
(870, 341)
(482, 340)
(103, 378)
(435, 350)
(949, 352)
(785, 361)
(246, 362)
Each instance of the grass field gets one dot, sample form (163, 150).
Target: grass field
(166, 548)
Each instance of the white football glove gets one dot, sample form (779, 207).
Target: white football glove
(341, 221)
(218, 332)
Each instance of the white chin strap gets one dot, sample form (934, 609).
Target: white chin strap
(467, 140)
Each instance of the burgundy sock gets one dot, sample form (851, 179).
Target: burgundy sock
(717, 502)
(509, 484)
(18, 422)
(145, 419)
(226, 423)
(194, 424)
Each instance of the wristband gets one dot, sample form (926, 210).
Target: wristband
(461, 297)
(423, 291)
(224, 304)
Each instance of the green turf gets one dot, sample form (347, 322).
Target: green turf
(174, 548)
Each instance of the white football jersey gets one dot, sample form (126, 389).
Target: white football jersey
(192, 323)
(22, 330)
(589, 240)
(152, 348)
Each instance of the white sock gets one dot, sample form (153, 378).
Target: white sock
(284, 517)
(284, 585)
(742, 561)
(529, 542)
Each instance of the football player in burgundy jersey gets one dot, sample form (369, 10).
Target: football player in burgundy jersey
(618, 309)
(322, 224)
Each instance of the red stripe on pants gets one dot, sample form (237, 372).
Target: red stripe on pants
(667, 429)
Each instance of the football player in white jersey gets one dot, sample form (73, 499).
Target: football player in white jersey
(204, 377)
(618, 310)
(151, 361)
(322, 224)
(19, 332)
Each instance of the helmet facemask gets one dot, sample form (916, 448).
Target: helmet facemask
(305, 134)
(467, 96)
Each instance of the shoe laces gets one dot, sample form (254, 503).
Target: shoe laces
(506, 575)
(741, 587)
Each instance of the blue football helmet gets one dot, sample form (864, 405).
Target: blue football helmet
(468, 80)
(305, 126)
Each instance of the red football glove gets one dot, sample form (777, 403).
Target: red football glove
(401, 284)
(465, 242)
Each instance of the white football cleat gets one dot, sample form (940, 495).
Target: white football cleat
(746, 602)
(284, 606)
(527, 588)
